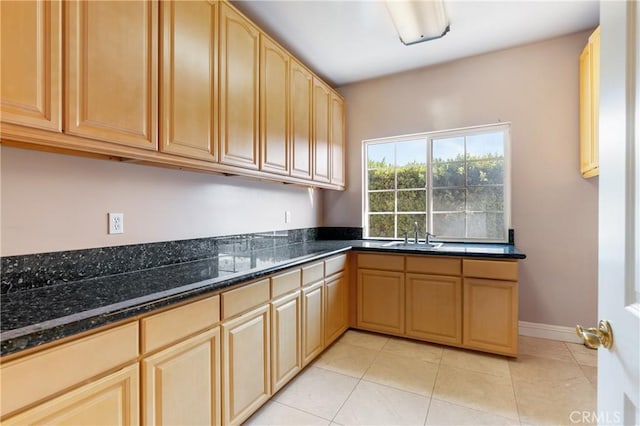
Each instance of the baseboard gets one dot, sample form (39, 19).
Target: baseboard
(548, 331)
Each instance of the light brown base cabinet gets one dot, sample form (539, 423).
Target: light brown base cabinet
(471, 303)
(181, 384)
(245, 366)
(286, 342)
(214, 360)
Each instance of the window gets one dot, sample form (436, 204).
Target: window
(454, 184)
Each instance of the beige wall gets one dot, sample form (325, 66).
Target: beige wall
(554, 210)
(53, 202)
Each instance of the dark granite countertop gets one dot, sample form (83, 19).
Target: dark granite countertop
(41, 315)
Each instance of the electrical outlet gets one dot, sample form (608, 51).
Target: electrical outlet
(287, 216)
(116, 223)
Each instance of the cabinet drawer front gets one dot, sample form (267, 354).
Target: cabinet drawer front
(434, 265)
(284, 283)
(335, 265)
(312, 273)
(381, 261)
(492, 269)
(113, 400)
(167, 327)
(245, 298)
(44, 373)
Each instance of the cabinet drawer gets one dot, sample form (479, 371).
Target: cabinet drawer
(45, 373)
(167, 327)
(492, 269)
(381, 261)
(245, 298)
(284, 283)
(312, 273)
(335, 265)
(434, 265)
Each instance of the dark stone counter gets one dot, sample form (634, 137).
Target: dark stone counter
(43, 314)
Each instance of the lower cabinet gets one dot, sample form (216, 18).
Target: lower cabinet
(336, 298)
(467, 302)
(491, 315)
(109, 401)
(434, 308)
(312, 322)
(181, 384)
(380, 302)
(286, 328)
(245, 364)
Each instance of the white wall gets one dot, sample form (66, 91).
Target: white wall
(53, 202)
(554, 210)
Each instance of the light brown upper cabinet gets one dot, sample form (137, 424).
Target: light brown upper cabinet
(274, 107)
(589, 106)
(321, 97)
(189, 61)
(239, 64)
(337, 142)
(112, 71)
(31, 34)
(301, 89)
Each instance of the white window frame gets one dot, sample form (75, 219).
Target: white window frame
(429, 137)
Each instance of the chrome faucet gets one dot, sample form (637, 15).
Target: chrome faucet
(427, 238)
(415, 232)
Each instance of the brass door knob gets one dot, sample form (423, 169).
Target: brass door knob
(594, 337)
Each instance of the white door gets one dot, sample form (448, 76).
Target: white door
(619, 212)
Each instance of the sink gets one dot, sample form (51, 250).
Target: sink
(420, 246)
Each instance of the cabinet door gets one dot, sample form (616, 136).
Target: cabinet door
(30, 37)
(380, 301)
(321, 97)
(490, 315)
(589, 101)
(312, 322)
(246, 364)
(301, 89)
(274, 107)
(286, 339)
(112, 400)
(181, 384)
(337, 140)
(239, 58)
(434, 308)
(112, 71)
(188, 96)
(336, 312)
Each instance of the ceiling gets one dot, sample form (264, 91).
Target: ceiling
(348, 41)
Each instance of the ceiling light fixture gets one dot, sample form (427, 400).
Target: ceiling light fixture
(418, 20)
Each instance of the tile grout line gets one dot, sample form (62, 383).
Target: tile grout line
(513, 389)
(433, 389)
(354, 388)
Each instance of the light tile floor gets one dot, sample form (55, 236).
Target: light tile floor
(370, 379)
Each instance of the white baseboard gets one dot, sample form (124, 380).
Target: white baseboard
(548, 331)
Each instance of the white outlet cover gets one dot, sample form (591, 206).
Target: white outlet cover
(287, 216)
(116, 223)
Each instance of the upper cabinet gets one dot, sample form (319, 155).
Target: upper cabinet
(188, 93)
(589, 106)
(187, 84)
(321, 97)
(31, 34)
(301, 92)
(337, 140)
(239, 64)
(274, 107)
(112, 72)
